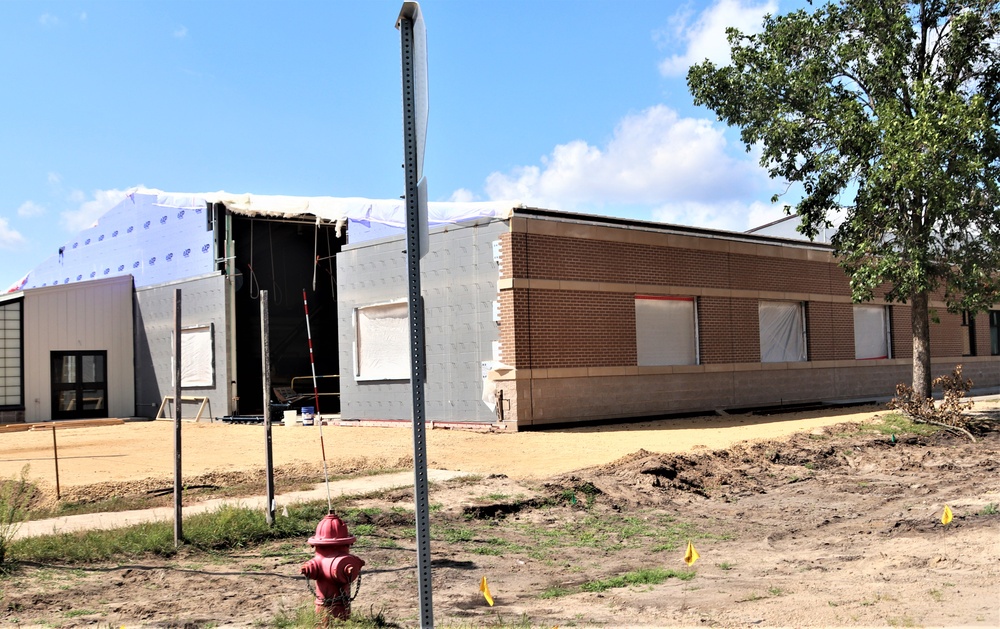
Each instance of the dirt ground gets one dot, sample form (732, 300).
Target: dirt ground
(800, 520)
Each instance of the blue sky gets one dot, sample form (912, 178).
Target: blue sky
(572, 105)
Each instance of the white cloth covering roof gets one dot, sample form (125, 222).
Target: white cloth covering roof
(390, 212)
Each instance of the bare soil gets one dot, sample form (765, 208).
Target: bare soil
(804, 520)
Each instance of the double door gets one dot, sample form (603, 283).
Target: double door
(79, 384)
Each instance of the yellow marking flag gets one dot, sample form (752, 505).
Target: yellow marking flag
(946, 517)
(690, 555)
(485, 589)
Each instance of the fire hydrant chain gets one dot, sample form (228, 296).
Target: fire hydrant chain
(337, 599)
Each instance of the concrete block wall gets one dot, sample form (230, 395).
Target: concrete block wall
(567, 291)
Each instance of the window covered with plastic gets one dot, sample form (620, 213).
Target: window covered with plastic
(666, 331)
(782, 332)
(871, 332)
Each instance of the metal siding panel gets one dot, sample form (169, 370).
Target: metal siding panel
(459, 284)
(203, 303)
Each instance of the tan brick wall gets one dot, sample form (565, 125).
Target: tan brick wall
(578, 329)
(729, 330)
(567, 306)
(830, 331)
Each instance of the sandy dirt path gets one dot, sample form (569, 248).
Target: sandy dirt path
(137, 450)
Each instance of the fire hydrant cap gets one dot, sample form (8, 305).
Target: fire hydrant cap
(331, 531)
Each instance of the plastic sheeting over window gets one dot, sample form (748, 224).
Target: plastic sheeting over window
(382, 342)
(197, 357)
(782, 332)
(665, 331)
(871, 338)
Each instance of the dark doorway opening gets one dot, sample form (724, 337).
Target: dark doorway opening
(285, 257)
(79, 384)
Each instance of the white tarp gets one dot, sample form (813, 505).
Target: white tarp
(390, 212)
(197, 357)
(665, 331)
(782, 332)
(870, 338)
(383, 335)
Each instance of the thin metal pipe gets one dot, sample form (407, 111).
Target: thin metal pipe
(312, 365)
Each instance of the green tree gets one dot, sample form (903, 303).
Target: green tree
(888, 110)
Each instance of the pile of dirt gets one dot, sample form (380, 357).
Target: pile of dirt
(645, 478)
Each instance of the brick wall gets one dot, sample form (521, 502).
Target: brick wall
(830, 331)
(567, 308)
(728, 330)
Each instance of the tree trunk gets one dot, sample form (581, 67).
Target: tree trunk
(921, 323)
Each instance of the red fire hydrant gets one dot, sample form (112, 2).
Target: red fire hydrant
(333, 569)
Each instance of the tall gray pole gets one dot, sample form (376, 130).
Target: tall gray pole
(414, 62)
(265, 366)
(178, 533)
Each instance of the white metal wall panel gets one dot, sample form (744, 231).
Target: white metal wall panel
(86, 316)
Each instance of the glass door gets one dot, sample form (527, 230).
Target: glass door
(79, 385)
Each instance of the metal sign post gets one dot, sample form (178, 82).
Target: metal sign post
(265, 366)
(414, 62)
(178, 532)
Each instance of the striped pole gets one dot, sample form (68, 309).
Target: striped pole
(312, 365)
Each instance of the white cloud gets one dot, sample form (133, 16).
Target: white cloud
(655, 159)
(463, 195)
(83, 16)
(729, 215)
(90, 210)
(704, 36)
(180, 32)
(9, 238)
(47, 19)
(30, 208)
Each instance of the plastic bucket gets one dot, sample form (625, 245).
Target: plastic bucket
(307, 415)
(290, 417)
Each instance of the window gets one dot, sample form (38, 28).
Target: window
(10, 355)
(666, 330)
(79, 384)
(197, 356)
(382, 340)
(871, 332)
(995, 332)
(782, 332)
(968, 334)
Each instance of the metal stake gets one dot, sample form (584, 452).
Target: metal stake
(265, 359)
(178, 531)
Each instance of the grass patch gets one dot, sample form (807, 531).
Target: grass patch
(228, 527)
(645, 576)
(725, 565)
(990, 509)
(556, 592)
(898, 424)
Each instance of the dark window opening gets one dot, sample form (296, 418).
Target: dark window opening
(968, 334)
(995, 332)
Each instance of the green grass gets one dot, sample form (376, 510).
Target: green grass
(226, 528)
(556, 592)
(645, 576)
(898, 424)
(990, 509)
